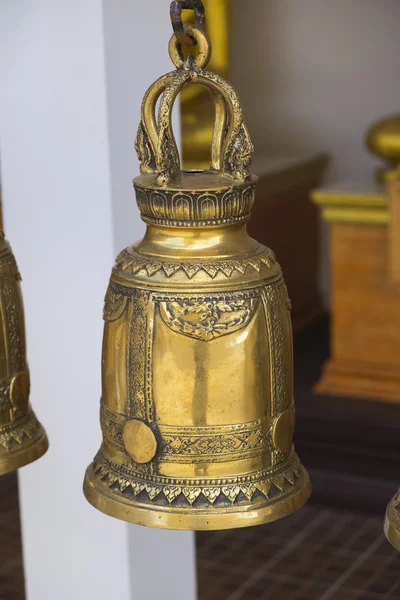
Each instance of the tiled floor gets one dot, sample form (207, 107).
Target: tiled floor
(316, 554)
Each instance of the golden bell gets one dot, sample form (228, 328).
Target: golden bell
(197, 409)
(392, 522)
(22, 438)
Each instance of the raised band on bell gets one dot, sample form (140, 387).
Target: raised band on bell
(197, 410)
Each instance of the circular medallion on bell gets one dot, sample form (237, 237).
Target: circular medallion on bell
(139, 441)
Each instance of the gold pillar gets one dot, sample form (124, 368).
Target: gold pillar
(197, 108)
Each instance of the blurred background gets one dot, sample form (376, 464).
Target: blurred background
(319, 84)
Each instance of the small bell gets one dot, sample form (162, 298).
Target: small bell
(22, 438)
(197, 409)
(392, 521)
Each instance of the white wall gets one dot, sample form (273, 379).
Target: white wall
(314, 74)
(57, 213)
(136, 36)
(71, 85)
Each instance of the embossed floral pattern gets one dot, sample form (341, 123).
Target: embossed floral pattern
(218, 442)
(15, 433)
(136, 263)
(224, 444)
(241, 489)
(207, 320)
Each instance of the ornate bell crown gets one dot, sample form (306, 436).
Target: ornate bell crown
(168, 196)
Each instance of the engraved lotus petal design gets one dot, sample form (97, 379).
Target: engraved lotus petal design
(197, 389)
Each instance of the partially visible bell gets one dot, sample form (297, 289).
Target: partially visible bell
(392, 521)
(22, 438)
(197, 410)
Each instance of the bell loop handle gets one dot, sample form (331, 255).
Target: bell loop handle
(231, 150)
(203, 45)
(181, 34)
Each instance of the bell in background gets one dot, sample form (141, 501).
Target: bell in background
(392, 522)
(22, 438)
(197, 409)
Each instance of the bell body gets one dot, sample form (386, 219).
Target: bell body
(392, 522)
(22, 438)
(197, 409)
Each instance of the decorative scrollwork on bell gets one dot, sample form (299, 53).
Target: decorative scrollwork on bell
(392, 522)
(197, 409)
(22, 438)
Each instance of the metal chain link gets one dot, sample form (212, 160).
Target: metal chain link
(176, 19)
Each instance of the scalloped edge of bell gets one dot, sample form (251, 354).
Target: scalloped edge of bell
(391, 532)
(27, 451)
(139, 513)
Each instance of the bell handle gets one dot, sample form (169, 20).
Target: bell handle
(232, 149)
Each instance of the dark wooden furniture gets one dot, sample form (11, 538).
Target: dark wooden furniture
(285, 219)
(350, 448)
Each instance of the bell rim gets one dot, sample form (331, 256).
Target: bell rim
(138, 513)
(392, 533)
(25, 455)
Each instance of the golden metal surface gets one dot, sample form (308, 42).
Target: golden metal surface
(139, 441)
(283, 430)
(392, 522)
(22, 438)
(383, 139)
(197, 409)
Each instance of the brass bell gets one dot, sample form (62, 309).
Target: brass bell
(22, 438)
(392, 522)
(197, 411)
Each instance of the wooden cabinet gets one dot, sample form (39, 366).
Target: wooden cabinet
(365, 325)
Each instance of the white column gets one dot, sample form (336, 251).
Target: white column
(72, 76)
